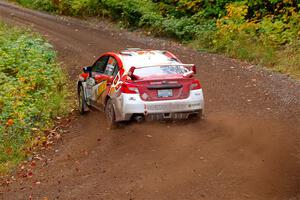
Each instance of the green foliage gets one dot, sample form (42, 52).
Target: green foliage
(32, 91)
(181, 8)
(255, 30)
(46, 5)
(129, 11)
(266, 41)
(78, 7)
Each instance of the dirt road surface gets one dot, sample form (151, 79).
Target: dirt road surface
(246, 148)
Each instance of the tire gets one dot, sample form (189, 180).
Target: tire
(110, 114)
(82, 105)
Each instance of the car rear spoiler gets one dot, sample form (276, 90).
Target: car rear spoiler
(193, 66)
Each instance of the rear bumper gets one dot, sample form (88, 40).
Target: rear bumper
(127, 105)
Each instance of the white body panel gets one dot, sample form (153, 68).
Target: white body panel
(127, 104)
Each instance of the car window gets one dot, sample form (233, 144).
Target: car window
(112, 67)
(160, 70)
(100, 64)
(116, 70)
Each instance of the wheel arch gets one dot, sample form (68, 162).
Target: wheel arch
(79, 83)
(106, 99)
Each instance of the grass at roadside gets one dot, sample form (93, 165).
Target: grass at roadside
(32, 93)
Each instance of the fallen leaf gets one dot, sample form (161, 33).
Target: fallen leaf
(10, 122)
(29, 174)
(33, 164)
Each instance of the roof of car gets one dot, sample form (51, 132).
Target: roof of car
(139, 58)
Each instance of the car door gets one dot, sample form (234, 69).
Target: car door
(93, 81)
(110, 72)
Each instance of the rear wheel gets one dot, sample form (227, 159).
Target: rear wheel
(82, 105)
(110, 114)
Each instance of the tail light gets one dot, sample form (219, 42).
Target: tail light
(195, 85)
(129, 88)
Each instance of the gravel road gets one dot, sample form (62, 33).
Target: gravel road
(246, 148)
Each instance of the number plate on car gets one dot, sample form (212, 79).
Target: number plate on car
(164, 93)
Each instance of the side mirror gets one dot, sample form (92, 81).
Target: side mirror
(88, 69)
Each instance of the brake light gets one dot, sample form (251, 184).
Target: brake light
(129, 88)
(195, 85)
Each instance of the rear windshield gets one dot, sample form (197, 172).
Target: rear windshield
(160, 70)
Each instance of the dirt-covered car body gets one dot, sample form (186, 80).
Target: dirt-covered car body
(141, 84)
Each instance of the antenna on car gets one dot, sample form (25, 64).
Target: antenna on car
(133, 49)
(126, 53)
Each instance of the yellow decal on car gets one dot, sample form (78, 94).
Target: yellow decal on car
(102, 87)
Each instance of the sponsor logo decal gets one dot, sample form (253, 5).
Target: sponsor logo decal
(101, 87)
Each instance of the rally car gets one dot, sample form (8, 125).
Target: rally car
(140, 84)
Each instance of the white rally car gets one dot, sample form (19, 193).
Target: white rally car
(140, 84)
